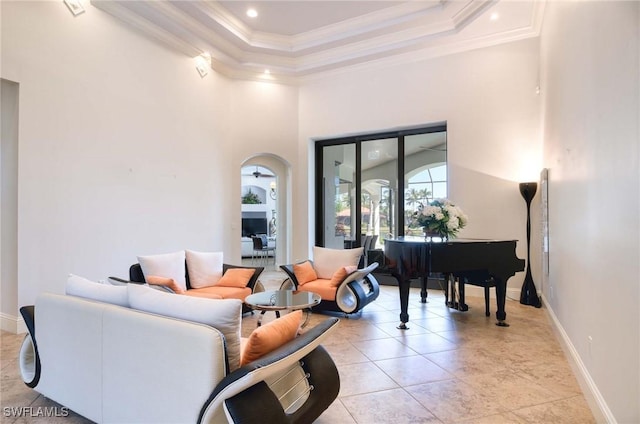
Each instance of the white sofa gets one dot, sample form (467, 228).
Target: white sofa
(112, 363)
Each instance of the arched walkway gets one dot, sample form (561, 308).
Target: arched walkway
(278, 187)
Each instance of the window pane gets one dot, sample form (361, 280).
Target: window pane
(339, 194)
(379, 184)
(425, 166)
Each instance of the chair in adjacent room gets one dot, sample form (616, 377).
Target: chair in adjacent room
(369, 245)
(261, 249)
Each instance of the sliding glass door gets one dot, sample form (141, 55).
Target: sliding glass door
(369, 185)
(379, 186)
(338, 189)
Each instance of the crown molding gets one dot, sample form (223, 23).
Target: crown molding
(408, 31)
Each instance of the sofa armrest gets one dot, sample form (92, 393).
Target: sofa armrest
(360, 274)
(265, 406)
(29, 358)
(272, 366)
(116, 281)
(288, 269)
(259, 403)
(136, 274)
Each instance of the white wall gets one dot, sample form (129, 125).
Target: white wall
(590, 54)
(264, 130)
(122, 146)
(9, 92)
(488, 98)
(124, 149)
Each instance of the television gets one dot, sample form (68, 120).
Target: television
(253, 226)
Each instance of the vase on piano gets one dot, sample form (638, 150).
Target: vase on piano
(430, 234)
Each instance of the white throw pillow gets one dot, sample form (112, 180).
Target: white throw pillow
(327, 261)
(81, 287)
(225, 315)
(169, 265)
(205, 268)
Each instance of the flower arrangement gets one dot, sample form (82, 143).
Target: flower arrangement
(441, 218)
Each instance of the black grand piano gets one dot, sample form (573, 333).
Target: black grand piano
(474, 261)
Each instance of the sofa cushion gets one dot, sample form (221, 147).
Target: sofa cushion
(169, 265)
(232, 292)
(236, 277)
(304, 272)
(326, 261)
(205, 268)
(223, 314)
(203, 292)
(342, 272)
(166, 282)
(81, 287)
(220, 292)
(321, 286)
(271, 336)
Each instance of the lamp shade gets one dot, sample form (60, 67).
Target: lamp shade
(528, 190)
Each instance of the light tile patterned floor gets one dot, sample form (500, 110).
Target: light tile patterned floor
(449, 367)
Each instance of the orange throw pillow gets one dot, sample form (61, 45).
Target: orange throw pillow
(341, 274)
(271, 336)
(235, 277)
(304, 272)
(165, 281)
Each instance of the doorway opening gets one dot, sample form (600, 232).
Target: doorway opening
(265, 211)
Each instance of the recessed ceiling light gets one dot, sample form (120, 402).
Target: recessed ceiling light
(252, 13)
(494, 16)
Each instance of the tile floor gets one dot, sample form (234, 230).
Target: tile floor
(449, 367)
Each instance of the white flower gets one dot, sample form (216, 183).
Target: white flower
(441, 216)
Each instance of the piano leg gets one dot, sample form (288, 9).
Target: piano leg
(450, 292)
(462, 306)
(423, 289)
(501, 295)
(403, 286)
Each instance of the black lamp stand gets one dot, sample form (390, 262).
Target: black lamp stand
(529, 295)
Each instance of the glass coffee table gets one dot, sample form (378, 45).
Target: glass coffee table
(281, 300)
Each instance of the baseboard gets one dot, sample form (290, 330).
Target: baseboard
(12, 324)
(598, 405)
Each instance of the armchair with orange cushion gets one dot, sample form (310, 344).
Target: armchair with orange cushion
(334, 275)
(197, 274)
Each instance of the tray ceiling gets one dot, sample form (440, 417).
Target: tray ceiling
(298, 39)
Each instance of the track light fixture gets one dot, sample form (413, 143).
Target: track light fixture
(74, 6)
(203, 64)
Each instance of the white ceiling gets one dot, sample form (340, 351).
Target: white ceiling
(297, 39)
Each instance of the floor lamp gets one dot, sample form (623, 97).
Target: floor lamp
(529, 295)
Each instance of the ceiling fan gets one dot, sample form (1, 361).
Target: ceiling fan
(259, 174)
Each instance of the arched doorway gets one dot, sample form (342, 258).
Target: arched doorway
(265, 190)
